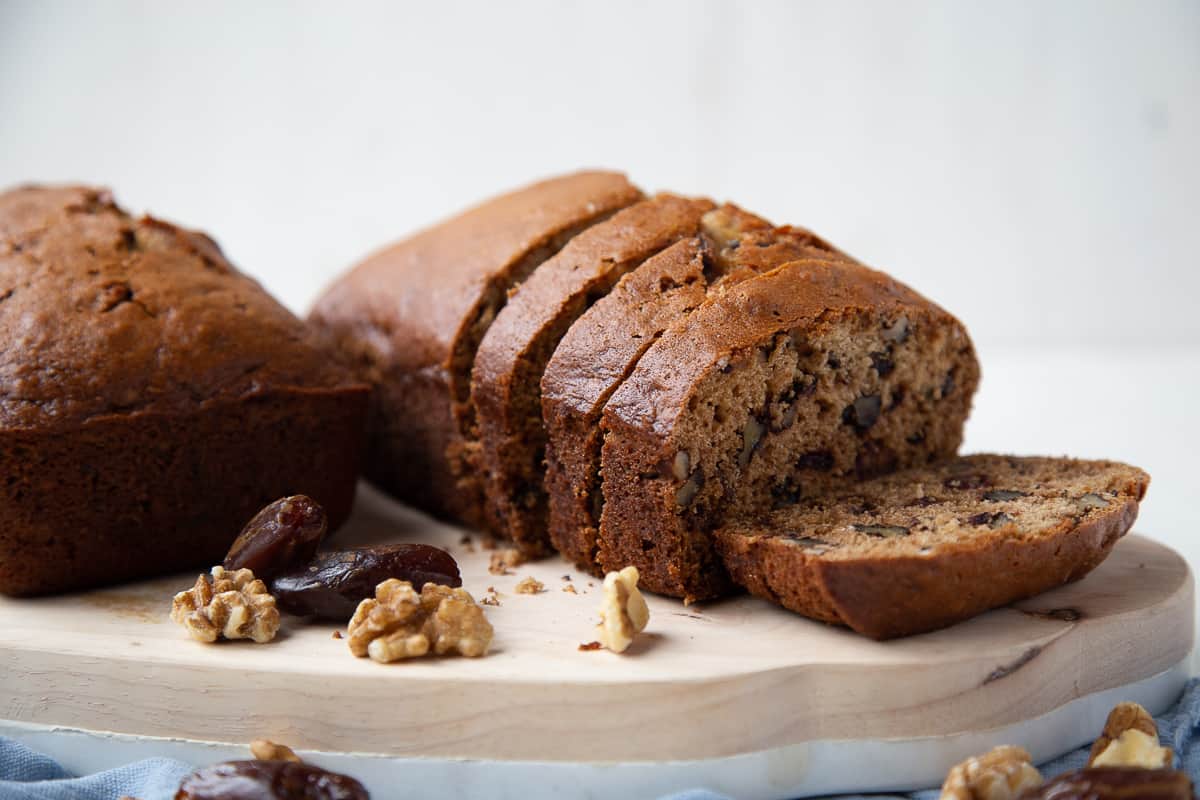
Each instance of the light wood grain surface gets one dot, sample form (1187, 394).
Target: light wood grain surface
(705, 681)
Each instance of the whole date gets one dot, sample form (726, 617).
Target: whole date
(332, 584)
(268, 780)
(284, 534)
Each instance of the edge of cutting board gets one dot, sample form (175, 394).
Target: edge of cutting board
(803, 770)
(705, 682)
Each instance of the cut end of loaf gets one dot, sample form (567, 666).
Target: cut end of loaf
(605, 345)
(858, 392)
(860, 395)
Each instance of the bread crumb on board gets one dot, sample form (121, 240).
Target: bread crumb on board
(503, 562)
(529, 585)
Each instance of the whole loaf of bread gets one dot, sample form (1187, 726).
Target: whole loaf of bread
(152, 397)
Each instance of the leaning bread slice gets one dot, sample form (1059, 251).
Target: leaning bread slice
(792, 380)
(506, 379)
(604, 345)
(925, 548)
(411, 317)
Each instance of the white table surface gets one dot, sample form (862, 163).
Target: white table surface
(1138, 405)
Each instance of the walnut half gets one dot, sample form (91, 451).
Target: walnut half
(623, 613)
(1001, 773)
(399, 623)
(1129, 739)
(227, 605)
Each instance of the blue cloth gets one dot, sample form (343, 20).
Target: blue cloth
(27, 775)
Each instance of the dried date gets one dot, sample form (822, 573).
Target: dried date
(282, 535)
(1119, 783)
(332, 584)
(268, 780)
(863, 412)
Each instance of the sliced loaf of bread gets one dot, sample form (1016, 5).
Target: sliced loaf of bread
(411, 318)
(789, 382)
(924, 548)
(506, 380)
(604, 345)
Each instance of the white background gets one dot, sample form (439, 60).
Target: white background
(1035, 167)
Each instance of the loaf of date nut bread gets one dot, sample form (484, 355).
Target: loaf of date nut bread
(815, 372)
(152, 398)
(927, 547)
(604, 345)
(506, 380)
(411, 318)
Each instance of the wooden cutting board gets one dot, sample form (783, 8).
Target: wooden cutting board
(705, 681)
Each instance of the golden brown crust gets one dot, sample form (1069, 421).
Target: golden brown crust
(155, 308)
(153, 398)
(412, 315)
(506, 379)
(884, 596)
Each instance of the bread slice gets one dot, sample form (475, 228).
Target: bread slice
(787, 383)
(412, 316)
(928, 547)
(152, 397)
(505, 383)
(604, 345)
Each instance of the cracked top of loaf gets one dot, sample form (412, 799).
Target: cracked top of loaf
(102, 313)
(413, 303)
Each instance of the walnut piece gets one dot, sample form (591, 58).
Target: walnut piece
(266, 750)
(1129, 739)
(399, 623)
(227, 605)
(503, 562)
(623, 613)
(1001, 773)
(529, 585)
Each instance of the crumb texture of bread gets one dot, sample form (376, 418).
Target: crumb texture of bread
(506, 379)
(604, 345)
(924, 548)
(790, 381)
(153, 397)
(411, 318)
